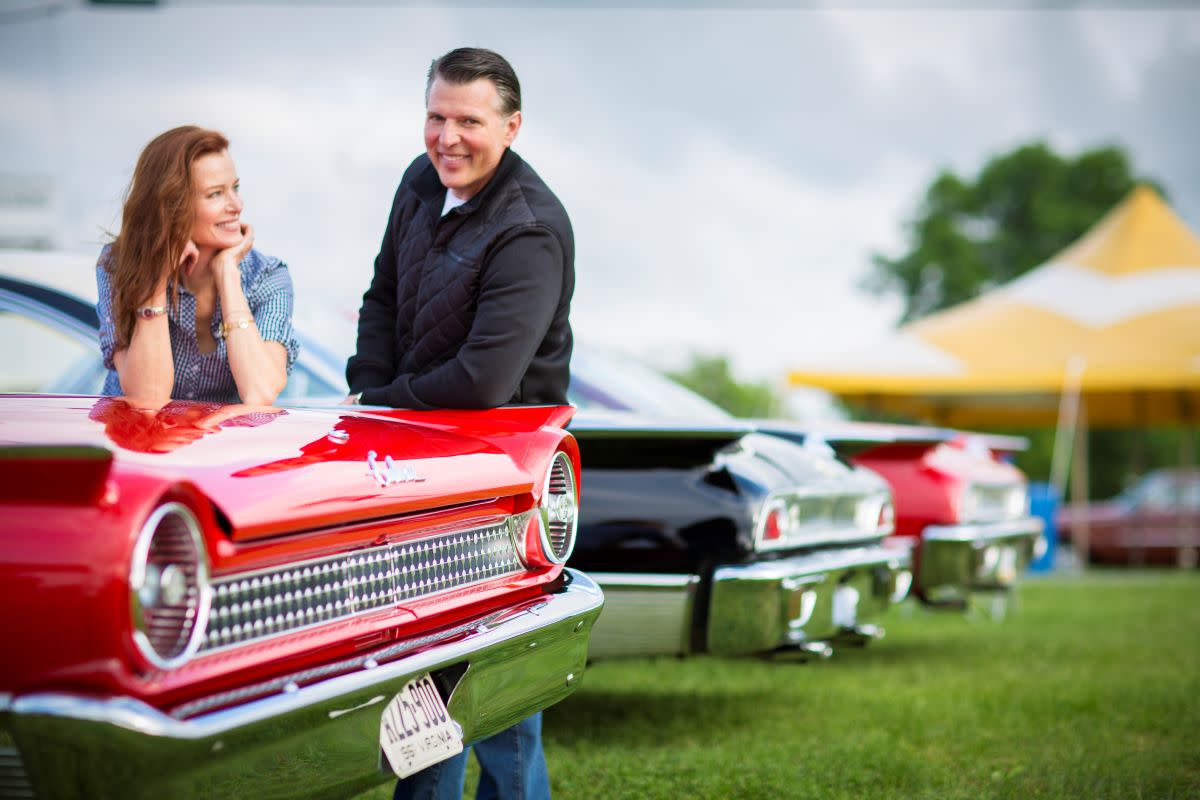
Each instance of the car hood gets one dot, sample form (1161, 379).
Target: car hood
(268, 470)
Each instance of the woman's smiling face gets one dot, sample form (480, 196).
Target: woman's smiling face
(216, 222)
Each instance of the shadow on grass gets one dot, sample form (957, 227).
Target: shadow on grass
(629, 717)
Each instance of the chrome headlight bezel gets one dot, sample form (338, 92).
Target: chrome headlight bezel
(558, 510)
(182, 584)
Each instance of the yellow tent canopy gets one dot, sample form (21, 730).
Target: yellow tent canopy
(1115, 316)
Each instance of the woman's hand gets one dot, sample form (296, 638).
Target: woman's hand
(231, 257)
(188, 259)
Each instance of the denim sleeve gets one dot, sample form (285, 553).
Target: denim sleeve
(271, 298)
(108, 330)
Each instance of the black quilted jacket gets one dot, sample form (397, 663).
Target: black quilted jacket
(469, 310)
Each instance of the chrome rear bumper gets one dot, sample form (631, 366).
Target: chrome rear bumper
(957, 559)
(318, 738)
(750, 608)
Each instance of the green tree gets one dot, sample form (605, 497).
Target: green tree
(971, 234)
(711, 377)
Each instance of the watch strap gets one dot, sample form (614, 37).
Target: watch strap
(150, 312)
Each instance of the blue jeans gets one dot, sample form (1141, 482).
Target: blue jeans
(512, 766)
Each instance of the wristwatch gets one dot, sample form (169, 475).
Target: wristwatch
(150, 312)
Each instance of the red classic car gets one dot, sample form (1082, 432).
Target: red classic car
(1155, 521)
(226, 601)
(964, 508)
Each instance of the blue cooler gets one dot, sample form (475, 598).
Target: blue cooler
(1043, 502)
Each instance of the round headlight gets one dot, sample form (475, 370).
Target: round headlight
(169, 592)
(558, 510)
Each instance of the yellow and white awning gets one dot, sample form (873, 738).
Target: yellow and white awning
(1120, 309)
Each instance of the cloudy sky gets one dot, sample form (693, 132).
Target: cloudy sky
(728, 172)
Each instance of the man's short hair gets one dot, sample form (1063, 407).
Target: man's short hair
(467, 64)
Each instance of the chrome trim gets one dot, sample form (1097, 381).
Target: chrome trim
(198, 593)
(984, 531)
(315, 739)
(766, 605)
(391, 472)
(258, 605)
(981, 502)
(646, 580)
(824, 514)
(957, 559)
(644, 614)
(558, 510)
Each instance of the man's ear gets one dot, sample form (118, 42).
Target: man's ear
(511, 126)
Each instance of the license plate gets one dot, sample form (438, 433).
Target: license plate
(416, 730)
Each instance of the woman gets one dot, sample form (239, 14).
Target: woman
(188, 309)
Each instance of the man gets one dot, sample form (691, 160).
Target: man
(468, 308)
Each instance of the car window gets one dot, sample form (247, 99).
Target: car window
(44, 355)
(305, 383)
(599, 380)
(1158, 491)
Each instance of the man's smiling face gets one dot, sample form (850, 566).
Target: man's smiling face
(466, 133)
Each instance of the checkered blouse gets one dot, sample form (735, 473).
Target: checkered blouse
(206, 376)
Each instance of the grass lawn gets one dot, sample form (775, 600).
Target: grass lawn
(1089, 689)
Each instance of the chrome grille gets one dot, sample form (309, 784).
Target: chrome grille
(250, 607)
(14, 783)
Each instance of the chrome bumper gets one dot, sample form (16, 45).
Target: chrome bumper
(749, 608)
(318, 739)
(956, 559)
(795, 601)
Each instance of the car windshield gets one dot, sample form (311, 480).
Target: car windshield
(601, 380)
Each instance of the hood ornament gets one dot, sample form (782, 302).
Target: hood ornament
(390, 472)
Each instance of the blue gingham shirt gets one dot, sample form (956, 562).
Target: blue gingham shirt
(206, 376)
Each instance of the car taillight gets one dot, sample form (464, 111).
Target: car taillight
(775, 521)
(558, 510)
(887, 518)
(169, 592)
(773, 525)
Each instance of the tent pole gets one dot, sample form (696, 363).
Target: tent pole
(1064, 431)
(1065, 438)
(1080, 528)
(1189, 550)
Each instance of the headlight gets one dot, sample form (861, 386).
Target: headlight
(169, 593)
(558, 510)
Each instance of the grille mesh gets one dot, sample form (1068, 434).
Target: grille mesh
(247, 608)
(14, 783)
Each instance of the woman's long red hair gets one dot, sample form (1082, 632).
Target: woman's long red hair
(156, 221)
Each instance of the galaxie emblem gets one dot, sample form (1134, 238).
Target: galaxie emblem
(390, 472)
